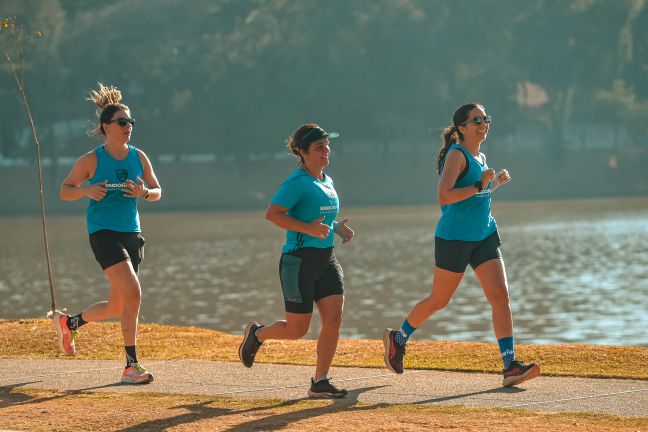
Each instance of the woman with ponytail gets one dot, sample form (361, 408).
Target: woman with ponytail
(114, 176)
(465, 234)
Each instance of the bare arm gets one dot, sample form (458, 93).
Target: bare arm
(278, 215)
(149, 184)
(73, 189)
(454, 165)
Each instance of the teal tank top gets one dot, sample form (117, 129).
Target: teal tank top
(470, 219)
(115, 211)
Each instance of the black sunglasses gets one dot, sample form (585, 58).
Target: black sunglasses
(123, 121)
(478, 120)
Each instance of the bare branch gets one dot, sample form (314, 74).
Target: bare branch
(19, 77)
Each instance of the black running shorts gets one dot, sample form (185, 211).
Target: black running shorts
(455, 255)
(112, 247)
(308, 275)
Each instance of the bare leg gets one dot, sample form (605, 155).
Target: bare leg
(443, 288)
(330, 309)
(105, 309)
(295, 326)
(492, 276)
(124, 300)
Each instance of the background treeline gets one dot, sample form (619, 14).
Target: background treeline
(233, 78)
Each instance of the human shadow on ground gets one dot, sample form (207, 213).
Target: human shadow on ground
(506, 390)
(9, 398)
(202, 411)
(280, 421)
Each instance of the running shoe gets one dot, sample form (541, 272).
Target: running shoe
(136, 374)
(325, 390)
(519, 372)
(250, 344)
(394, 352)
(65, 335)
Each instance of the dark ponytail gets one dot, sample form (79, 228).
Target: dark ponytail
(452, 134)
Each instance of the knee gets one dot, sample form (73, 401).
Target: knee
(295, 331)
(499, 300)
(333, 322)
(132, 296)
(433, 304)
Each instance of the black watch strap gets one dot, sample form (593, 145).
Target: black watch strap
(479, 185)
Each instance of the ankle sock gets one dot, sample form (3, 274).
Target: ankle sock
(131, 355)
(75, 321)
(404, 333)
(507, 351)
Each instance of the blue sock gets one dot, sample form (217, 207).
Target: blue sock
(506, 350)
(404, 333)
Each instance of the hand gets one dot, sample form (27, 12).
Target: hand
(344, 231)
(487, 176)
(96, 191)
(503, 177)
(135, 190)
(317, 229)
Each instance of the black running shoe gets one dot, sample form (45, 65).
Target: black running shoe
(324, 390)
(394, 352)
(250, 344)
(519, 372)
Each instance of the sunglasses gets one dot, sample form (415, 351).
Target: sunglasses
(123, 121)
(479, 120)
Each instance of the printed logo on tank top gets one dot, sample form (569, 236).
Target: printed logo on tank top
(483, 192)
(122, 175)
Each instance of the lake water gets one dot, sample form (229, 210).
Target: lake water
(578, 271)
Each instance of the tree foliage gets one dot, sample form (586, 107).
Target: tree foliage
(237, 77)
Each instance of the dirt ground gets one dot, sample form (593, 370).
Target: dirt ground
(37, 410)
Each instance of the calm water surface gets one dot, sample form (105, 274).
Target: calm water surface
(578, 271)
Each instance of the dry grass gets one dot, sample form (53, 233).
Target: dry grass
(46, 410)
(40, 410)
(36, 339)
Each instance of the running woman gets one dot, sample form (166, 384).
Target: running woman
(465, 234)
(114, 176)
(306, 205)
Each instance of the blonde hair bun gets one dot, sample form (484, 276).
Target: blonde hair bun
(105, 96)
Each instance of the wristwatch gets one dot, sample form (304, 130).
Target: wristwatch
(479, 185)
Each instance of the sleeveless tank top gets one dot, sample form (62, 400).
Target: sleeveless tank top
(115, 211)
(470, 219)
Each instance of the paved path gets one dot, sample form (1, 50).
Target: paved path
(622, 397)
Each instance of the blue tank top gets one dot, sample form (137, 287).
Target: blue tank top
(307, 199)
(115, 211)
(470, 219)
